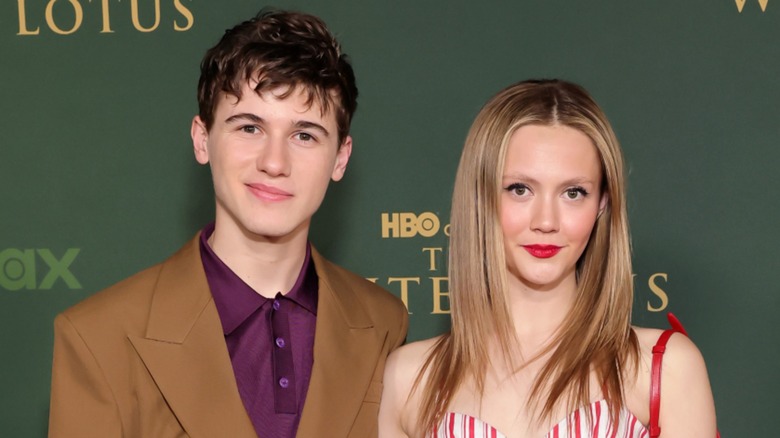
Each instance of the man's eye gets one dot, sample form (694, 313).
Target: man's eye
(250, 129)
(305, 136)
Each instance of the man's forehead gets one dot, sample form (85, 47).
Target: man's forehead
(308, 100)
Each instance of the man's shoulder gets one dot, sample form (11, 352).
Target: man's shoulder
(368, 291)
(126, 302)
(116, 305)
(360, 298)
(382, 305)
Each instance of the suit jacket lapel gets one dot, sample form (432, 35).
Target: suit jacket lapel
(346, 350)
(184, 350)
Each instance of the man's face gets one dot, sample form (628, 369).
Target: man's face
(271, 161)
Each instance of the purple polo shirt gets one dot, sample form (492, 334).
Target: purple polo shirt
(270, 341)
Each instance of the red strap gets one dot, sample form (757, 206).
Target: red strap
(676, 324)
(655, 382)
(655, 374)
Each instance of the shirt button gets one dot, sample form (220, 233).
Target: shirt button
(283, 382)
(280, 342)
(277, 304)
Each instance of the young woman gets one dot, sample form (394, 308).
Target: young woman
(541, 343)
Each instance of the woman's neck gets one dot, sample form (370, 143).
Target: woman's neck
(538, 313)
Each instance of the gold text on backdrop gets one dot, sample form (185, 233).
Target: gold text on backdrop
(741, 4)
(657, 291)
(438, 288)
(408, 224)
(432, 255)
(68, 16)
(426, 225)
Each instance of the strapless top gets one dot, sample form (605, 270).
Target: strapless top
(575, 425)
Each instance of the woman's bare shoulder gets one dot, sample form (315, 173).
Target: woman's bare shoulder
(398, 409)
(686, 394)
(647, 337)
(407, 360)
(679, 348)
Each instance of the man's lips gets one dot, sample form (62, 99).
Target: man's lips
(542, 251)
(268, 193)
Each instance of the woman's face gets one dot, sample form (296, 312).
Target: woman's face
(550, 200)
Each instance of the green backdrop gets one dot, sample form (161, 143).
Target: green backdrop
(97, 177)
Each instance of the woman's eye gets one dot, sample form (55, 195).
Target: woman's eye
(518, 189)
(575, 193)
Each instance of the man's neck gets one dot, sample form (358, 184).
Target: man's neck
(267, 265)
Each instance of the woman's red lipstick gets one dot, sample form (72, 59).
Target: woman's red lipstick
(542, 251)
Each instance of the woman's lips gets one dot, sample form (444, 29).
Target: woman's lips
(542, 251)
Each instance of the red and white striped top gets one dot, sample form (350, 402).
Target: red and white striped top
(576, 425)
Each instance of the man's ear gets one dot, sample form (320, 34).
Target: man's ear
(200, 138)
(342, 158)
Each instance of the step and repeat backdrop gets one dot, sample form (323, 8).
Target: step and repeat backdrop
(98, 179)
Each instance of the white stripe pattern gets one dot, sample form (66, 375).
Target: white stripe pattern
(576, 425)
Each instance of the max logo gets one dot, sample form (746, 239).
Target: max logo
(18, 268)
(741, 4)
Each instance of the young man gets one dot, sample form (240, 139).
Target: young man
(246, 331)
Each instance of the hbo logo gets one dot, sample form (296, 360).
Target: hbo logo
(409, 225)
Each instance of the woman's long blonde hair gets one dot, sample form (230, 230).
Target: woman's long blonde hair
(596, 334)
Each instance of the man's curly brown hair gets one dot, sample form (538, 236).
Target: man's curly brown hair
(280, 49)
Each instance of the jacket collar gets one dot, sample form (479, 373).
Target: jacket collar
(185, 352)
(346, 350)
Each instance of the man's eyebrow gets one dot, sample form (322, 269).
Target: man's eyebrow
(244, 116)
(311, 125)
(254, 118)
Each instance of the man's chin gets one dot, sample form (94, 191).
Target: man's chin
(271, 232)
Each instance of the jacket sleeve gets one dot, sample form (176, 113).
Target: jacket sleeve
(82, 402)
(403, 317)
